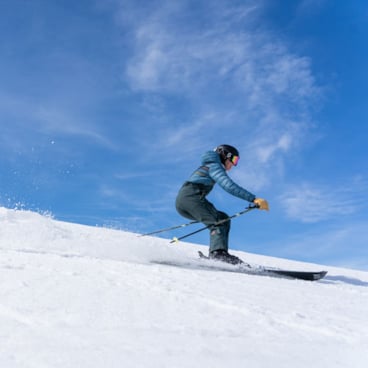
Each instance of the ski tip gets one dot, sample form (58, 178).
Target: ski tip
(318, 275)
(201, 255)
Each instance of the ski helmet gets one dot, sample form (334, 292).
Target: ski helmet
(228, 152)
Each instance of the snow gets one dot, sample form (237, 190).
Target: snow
(79, 296)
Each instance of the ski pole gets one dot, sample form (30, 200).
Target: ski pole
(175, 240)
(169, 228)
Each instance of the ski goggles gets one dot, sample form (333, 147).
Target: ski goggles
(234, 160)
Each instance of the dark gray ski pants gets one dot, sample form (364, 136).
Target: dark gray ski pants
(191, 203)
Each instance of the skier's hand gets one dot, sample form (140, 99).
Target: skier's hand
(262, 204)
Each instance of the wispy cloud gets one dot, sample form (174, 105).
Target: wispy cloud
(28, 117)
(343, 246)
(312, 203)
(184, 56)
(55, 121)
(234, 77)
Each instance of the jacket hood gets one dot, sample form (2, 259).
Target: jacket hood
(211, 157)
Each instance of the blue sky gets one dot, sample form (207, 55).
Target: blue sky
(106, 107)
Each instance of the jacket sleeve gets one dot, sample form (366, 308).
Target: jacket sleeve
(219, 175)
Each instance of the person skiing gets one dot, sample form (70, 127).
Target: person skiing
(191, 201)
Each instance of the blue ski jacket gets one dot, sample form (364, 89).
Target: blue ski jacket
(212, 171)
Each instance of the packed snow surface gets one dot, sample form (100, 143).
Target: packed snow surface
(79, 296)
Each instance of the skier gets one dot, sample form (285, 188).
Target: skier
(191, 200)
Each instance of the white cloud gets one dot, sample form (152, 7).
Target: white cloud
(56, 121)
(170, 58)
(267, 150)
(342, 245)
(311, 203)
(32, 118)
(222, 65)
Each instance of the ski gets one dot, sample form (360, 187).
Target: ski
(274, 272)
(301, 275)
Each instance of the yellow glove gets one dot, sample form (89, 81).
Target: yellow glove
(262, 204)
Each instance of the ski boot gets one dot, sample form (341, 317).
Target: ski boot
(224, 256)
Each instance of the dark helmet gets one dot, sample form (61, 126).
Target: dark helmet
(228, 152)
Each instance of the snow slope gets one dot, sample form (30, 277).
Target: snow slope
(79, 296)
